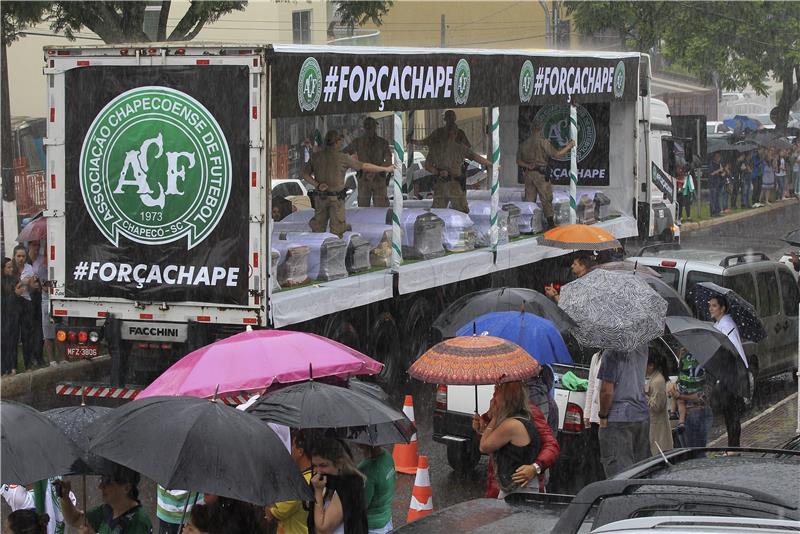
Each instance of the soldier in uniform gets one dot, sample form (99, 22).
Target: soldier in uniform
(369, 148)
(445, 161)
(325, 171)
(441, 134)
(532, 156)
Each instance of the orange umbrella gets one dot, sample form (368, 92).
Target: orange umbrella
(473, 360)
(579, 237)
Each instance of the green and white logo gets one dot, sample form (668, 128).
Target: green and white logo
(155, 167)
(619, 80)
(309, 85)
(526, 82)
(555, 127)
(462, 81)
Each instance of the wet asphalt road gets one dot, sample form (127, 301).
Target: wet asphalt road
(757, 233)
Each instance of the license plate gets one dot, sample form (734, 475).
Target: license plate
(81, 351)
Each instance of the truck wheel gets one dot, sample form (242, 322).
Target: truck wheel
(384, 346)
(339, 328)
(463, 457)
(417, 330)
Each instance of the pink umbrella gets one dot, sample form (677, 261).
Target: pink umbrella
(252, 361)
(35, 230)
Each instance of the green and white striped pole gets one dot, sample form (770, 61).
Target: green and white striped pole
(573, 164)
(494, 231)
(397, 203)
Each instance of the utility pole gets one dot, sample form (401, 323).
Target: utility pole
(441, 33)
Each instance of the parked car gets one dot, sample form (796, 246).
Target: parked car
(681, 491)
(768, 285)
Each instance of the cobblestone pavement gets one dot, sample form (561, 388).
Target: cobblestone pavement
(771, 428)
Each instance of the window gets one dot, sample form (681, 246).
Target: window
(668, 275)
(301, 27)
(744, 285)
(768, 296)
(694, 278)
(791, 295)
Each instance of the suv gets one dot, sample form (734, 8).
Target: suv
(768, 285)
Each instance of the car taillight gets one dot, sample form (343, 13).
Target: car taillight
(83, 337)
(441, 397)
(669, 263)
(72, 337)
(61, 336)
(573, 418)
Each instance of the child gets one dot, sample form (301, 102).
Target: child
(691, 380)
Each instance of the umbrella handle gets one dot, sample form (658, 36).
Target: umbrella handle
(476, 399)
(85, 504)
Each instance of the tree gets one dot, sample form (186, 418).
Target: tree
(122, 22)
(743, 43)
(16, 17)
(355, 13)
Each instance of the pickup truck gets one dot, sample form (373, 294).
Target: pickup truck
(579, 461)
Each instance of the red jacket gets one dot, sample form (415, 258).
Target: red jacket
(548, 452)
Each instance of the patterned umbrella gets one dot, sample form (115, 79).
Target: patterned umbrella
(614, 310)
(675, 303)
(628, 265)
(474, 360)
(742, 312)
(579, 237)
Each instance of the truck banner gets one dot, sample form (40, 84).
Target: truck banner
(592, 147)
(326, 83)
(156, 177)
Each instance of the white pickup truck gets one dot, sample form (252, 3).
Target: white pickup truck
(578, 463)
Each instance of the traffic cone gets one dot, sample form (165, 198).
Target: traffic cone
(421, 498)
(405, 454)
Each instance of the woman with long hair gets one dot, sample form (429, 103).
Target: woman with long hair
(510, 436)
(339, 505)
(11, 308)
(655, 390)
(732, 403)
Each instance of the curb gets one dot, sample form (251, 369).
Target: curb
(38, 387)
(791, 398)
(689, 227)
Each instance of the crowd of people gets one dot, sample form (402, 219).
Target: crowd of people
(742, 180)
(25, 310)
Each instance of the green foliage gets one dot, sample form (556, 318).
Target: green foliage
(355, 13)
(18, 16)
(743, 43)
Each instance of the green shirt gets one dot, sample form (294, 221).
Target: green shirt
(379, 488)
(134, 521)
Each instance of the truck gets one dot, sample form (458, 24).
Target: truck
(159, 179)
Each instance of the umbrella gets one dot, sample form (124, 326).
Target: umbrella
(254, 360)
(470, 306)
(202, 445)
(474, 360)
(793, 237)
(779, 143)
(613, 310)
(73, 421)
(742, 122)
(369, 388)
(579, 237)
(352, 415)
(539, 337)
(36, 230)
(675, 304)
(745, 146)
(627, 265)
(33, 447)
(710, 347)
(742, 312)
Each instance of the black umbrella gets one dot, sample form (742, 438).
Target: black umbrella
(200, 445)
(473, 305)
(793, 237)
(73, 421)
(352, 415)
(33, 447)
(675, 304)
(710, 347)
(369, 388)
(742, 312)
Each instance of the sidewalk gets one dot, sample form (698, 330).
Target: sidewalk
(770, 429)
(689, 227)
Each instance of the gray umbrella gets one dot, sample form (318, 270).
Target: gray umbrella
(710, 347)
(614, 310)
(793, 237)
(73, 421)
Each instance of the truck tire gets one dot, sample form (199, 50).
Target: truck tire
(417, 330)
(463, 457)
(385, 346)
(339, 328)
